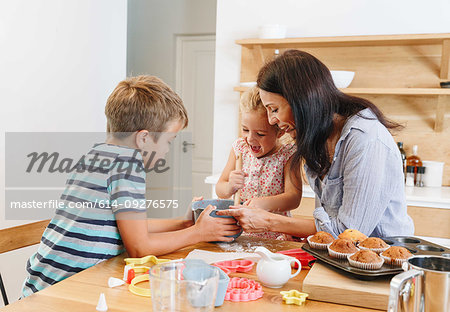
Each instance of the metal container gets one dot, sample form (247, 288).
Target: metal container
(425, 287)
(417, 246)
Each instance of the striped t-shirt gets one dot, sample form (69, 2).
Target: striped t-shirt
(110, 180)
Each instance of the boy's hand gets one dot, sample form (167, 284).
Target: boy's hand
(215, 229)
(189, 215)
(236, 180)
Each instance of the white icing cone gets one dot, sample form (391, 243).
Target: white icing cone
(114, 282)
(125, 272)
(101, 305)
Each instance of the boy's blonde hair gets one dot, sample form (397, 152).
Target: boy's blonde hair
(251, 102)
(143, 103)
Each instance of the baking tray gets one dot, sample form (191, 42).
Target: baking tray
(417, 246)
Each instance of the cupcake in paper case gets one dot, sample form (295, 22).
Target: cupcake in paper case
(341, 248)
(366, 259)
(354, 235)
(396, 255)
(320, 240)
(373, 243)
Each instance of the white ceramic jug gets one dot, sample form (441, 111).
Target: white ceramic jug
(274, 270)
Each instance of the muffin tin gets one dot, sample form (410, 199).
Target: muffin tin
(417, 246)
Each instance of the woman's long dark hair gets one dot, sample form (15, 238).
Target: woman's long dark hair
(306, 83)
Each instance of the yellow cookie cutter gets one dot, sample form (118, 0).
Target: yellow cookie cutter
(137, 265)
(294, 297)
(143, 260)
(144, 292)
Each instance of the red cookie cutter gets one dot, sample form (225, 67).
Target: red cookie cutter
(305, 258)
(243, 289)
(235, 265)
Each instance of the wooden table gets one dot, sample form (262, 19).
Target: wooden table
(80, 292)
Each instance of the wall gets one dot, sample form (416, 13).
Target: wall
(152, 29)
(304, 19)
(59, 62)
(153, 26)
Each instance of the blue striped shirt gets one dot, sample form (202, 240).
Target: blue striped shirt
(364, 187)
(84, 232)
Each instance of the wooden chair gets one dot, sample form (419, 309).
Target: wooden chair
(18, 237)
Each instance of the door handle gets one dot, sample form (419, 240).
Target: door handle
(185, 146)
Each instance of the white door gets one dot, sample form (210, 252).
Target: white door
(195, 60)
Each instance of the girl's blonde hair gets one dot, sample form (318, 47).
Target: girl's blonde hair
(251, 102)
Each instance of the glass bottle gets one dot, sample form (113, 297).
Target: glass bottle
(409, 176)
(403, 154)
(414, 161)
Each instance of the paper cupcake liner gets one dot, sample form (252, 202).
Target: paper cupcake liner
(377, 250)
(339, 255)
(365, 266)
(316, 245)
(394, 262)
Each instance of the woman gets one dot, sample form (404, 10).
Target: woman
(351, 160)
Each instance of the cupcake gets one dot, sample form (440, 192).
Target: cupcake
(373, 243)
(354, 235)
(396, 255)
(366, 259)
(341, 248)
(320, 240)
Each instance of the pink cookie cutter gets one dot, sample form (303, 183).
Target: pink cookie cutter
(243, 289)
(235, 265)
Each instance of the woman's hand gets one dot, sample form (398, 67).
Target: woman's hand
(236, 180)
(252, 220)
(215, 229)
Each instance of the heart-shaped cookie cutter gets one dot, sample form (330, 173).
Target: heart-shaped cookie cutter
(232, 266)
(243, 289)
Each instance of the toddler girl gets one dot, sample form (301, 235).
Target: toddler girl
(264, 181)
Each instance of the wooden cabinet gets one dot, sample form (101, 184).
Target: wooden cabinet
(428, 221)
(401, 74)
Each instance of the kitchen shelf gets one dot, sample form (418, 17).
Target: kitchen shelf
(395, 60)
(340, 41)
(399, 73)
(392, 91)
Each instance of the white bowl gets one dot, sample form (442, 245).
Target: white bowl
(272, 31)
(248, 84)
(342, 78)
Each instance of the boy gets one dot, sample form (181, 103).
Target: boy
(143, 117)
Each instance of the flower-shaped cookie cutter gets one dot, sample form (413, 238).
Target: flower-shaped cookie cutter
(243, 289)
(294, 297)
(235, 265)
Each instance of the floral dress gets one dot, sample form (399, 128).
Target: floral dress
(265, 176)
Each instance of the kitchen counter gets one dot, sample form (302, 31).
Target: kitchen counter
(434, 197)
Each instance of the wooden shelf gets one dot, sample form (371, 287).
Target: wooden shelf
(388, 91)
(385, 66)
(348, 41)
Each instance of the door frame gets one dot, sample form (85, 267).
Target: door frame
(180, 40)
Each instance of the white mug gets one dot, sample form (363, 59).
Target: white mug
(433, 173)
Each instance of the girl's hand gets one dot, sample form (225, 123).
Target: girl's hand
(258, 203)
(253, 220)
(236, 180)
(215, 229)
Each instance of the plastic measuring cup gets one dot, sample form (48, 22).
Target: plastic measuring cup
(184, 285)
